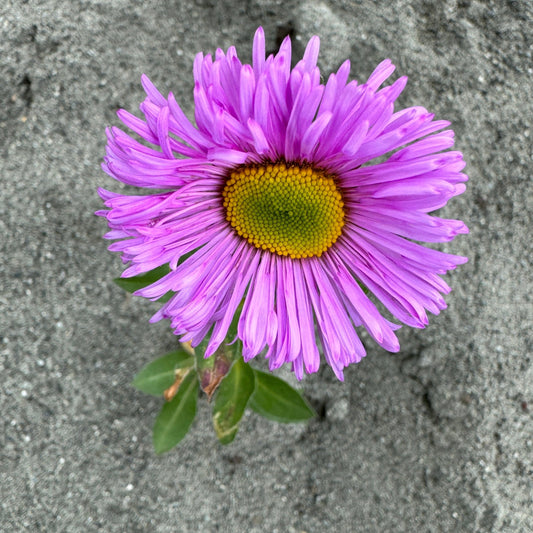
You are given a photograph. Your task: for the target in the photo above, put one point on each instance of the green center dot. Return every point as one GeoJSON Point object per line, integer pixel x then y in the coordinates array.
{"type": "Point", "coordinates": [292, 210]}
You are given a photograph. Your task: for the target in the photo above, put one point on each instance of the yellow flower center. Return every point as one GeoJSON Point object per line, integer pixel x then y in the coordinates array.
{"type": "Point", "coordinates": [289, 209]}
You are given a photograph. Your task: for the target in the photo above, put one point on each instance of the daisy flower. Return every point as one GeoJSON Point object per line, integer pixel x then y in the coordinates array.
{"type": "Point", "coordinates": [276, 212]}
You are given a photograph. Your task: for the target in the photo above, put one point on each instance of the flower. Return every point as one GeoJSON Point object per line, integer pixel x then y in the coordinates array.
{"type": "Point", "coordinates": [275, 212]}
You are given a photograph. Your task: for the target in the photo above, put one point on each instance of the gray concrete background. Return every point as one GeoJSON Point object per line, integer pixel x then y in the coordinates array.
{"type": "Point", "coordinates": [436, 438]}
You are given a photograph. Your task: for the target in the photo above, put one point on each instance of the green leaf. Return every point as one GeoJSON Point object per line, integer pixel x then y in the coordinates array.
{"type": "Point", "coordinates": [143, 280]}
{"type": "Point", "coordinates": [176, 416]}
{"type": "Point", "coordinates": [231, 399]}
{"type": "Point", "coordinates": [159, 375]}
{"type": "Point", "coordinates": [276, 400]}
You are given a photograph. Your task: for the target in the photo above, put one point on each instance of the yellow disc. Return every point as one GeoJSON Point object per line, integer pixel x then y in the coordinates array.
{"type": "Point", "coordinates": [288, 209]}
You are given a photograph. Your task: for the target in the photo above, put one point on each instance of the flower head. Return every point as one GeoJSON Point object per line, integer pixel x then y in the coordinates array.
{"type": "Point", "coordinates": [275, 210]}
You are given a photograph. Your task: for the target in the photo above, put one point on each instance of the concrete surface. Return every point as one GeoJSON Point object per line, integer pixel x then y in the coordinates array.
{"type": "Point", "coordinates": [436, 438]}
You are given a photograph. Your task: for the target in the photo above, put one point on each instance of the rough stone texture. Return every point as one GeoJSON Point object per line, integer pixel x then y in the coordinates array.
{"type": "Point", "coordinates": [436, 438]}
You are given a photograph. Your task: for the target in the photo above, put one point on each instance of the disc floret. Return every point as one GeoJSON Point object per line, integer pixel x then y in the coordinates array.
{"type": "Point", "coordinates": [289, 209]}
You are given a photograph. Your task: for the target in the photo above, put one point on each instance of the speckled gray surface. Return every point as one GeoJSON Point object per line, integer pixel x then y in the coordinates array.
{"type": "Point", "coordinates": [436, 438]}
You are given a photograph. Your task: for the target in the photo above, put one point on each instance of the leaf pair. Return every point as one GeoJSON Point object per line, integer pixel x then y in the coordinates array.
{"type": "Point", "coordinates": [176, 415]}
{"type": "Point", "coordinates": [179, 375]}
{"type": "Point", "coordinates": [242, 387]}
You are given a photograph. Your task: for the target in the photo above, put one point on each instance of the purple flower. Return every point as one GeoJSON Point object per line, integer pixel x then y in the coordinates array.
{"type": "Point", "coordinates": [273, 201]}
